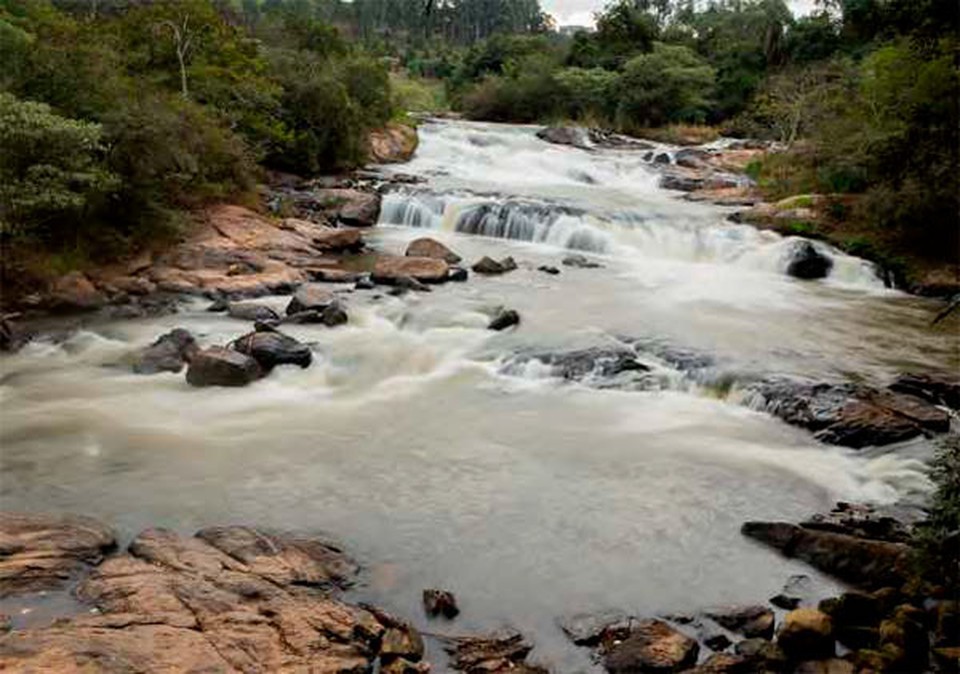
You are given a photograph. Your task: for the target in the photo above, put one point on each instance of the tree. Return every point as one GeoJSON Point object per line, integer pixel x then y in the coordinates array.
{"type": "Point", "coordinates": [183, 36]}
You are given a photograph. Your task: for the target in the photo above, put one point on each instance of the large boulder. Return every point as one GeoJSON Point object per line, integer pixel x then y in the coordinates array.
{"type": "Point", "coordinates": [362, 209]}
{"type": "Point", "coordinates": [389, 269]}
{"type": "Point", "coordinates": [504, 319]}
{"type": "Point", "coordinates": [45, 552]}
{"type": "Point", "coordinates": [337, 239]}
{"type": "Point", "coordinates": [75, 292]}
{"type": "Point", "coordinates": [393, 144]}
{"type": "Point", "coordinates": [807, 634]}
{"type": "Point", "coordinates": [218, 366]}
{"type": "Point", "coordinates": [804, 261]}
{"type": "Point", "coordinates": [651, 646]}
{"type": "Point", "coordinates": [575, 136]}
{"type": "Point", "coordinates": [168, 353]}
{"type": "Point", "coordinates": [426, 247]}
{"type": "Point", "coordinates": [309, 297]}
{"type": "Point", "coordinates": [934, 388]}
{"type": "Point", "coordinates": [270, 349]}
{"type": "Point", "coordinates": [251, 311]}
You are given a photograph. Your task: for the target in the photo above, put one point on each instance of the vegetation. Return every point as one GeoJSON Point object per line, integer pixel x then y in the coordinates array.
{"type": "Point", "coordinates": [939, 535]}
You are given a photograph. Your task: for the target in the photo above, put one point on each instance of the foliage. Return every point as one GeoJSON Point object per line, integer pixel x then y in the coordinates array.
{"type": "Point", "coordinates": [418, 94]}
{"type": "Point", "coordinates": [939, 535]}
{"type": "Point", "coordinates": [587, 93]}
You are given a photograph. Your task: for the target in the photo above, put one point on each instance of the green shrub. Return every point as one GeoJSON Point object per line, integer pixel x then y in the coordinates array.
{"type": "Point", "coordinates": [939, 535]}
{"type": "Point", "coordinates": [587, 93]}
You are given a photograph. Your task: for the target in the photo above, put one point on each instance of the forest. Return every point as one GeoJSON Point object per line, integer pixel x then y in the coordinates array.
{"type": "Point", "coordinates": [119, 116]}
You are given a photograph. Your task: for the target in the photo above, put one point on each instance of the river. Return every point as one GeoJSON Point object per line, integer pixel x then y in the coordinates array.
{"type": "Point", "coordinates": [411, 439]}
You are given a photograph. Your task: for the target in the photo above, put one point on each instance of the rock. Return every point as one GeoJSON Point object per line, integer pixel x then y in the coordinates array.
{"type": "Point", "coordinates": [402, 666]}
{"type": "Point", "coordinates": [806, 634]}
{"type": "Point", "coordinates": [44, 552]}
{"type": "Point", "coordinates": [831, 666]}
{"type": "Point", "coordinates": [133, 285]}
{"type": "Point", "coordinates": [401, 643]}
{"type": "Point", "coordinates": [270, 349]}
{"type": "Point", "coordinates": [489, 266]}
{"type": "Point", "coordinates": [547, 269]}
{"type": "Point", "coordinates": [440, 602]}
{"type": "Point", "coordinates": [947, 623]}
{"type": "Point", "coordinates": [863, 521]}
{"type": "Point", "coordinates": [861, 562]}
{"type": "Point", "coordinates": [691, 158]}
{"type": "Point", "coordinates": [602, 362]}
{"type": "Point", "coordinates": [390, 269]}
{"type": "Point", "coordinates": [168, 353]}
{"type": "Point", "coordinates": [11, 338]}
{"type": "Point", "coordinates": [219, 306]}
{"type": "Point", "coordinates": [365, 283]}
{"type": "Point", "coordinates": [251, 311]}
{"type": "Point", "coordinates": [75, 292]}
{"type": "Point", "coordinates": [6, 623]}
{"type": "Point", "coordinates": [218, 366]}
{"type": "Point", "coordinates": [796, 590]}
{"type": "Point", "coordinates": [763, 655]}
{"type": "Point", "coordinates": [652, 646]}
{"type": "Point", "coordinates": [457, 274]}
{"type": "Point", "coordinates": [581, 261]}
{"type": "Point", "coordinates": [504, 319]}
{"type": "Point", "coordinates": [750, 621]}
{"type": "Point", "coordinates": [334, 315]}
{"type": "Point", "coordinates": [723, 663]}
{"type": "Point", "coordinates": [426, 247]}
{"type": "Point", "coordinates": [935, 389]}
{"type": "Point", "coordinates": [806, 262]}
{"type": "Point", "coordinates": [395, 143]}
{"type": "Point", "coordinates": [362, 209]}
{"type": "Point", "coordinates": [565, 135]}
{"type": "Point", "coordinates": [336, 276]}
{"type": "Point", "coordinates": [496, 654]}
{"type": "Point", "coordinates": [853, 609]}
{"type": "Point", "coordinates": [716, 641]}
{"type": "Point", "coordinates": [589, 629]}
{"type": "Point", "coordinates": [309, 297]}
{"type": "Point", "coordinates": [337, 239]}
{"type": "Point", "coordinates": [661, 158]}
{"type": "Point", "coordinates": [185, 605]}
{"type": "Point", "coordinates": [905, 634]}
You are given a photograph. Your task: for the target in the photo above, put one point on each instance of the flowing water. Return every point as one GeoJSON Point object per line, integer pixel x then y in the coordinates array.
{"type": "Point", "coordinates": [410, 440]}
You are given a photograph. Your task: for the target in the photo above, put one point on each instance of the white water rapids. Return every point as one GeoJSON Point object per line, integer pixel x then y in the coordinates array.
{"type": "Point", "coordinates": [407, 440]}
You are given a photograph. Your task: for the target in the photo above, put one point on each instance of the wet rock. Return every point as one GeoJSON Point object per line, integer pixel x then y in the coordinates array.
{"type": "Point", "coordinates": [11, 338]}
{"type": "Point", "coordinates": [588, 629]}
{"type": "Point", "coordinates": [390, 269]}
{"type": "Point", "coordinates": [457, 274]}
{"type": "Point", "coordinates": [403, 666]}
{"type": "Point", "coordinates": [750, 621]}
{"type": "Point", "coordinates": [75, 292]}
{"type": "Point", "coordinates": [830, 666]}
{"type": "Point", "coordinates": [395, 143]}
{"type": "Point", "coordinates": [861, 562]}
{"type": "Point", "coordinates": [652, 645]}
{"type": "Point", "coordinates": [251, 311]}
{"type": "Point", "coordinates": [334, 315]}
{"type": "Point", "coordinates": [337, 239]}
{"type": "Point", "coordinates": [182, 604]}
{"type": "Point", "coordinates": [796, 590]}
{"type": "Point", "coordinates": [762, 654]}
{"type": "Point", "coordinates": [905, 635]}
{"type": "Point", "coordinates": [592, 362]}
{"type": "Point", "coordinates": [169, 353]}
{"type": "Point", "coordinates": [547, 269]}
{"type": "Point", "coordinates": [806, 262]}
{"type": "Point", "coordinates": [44, 552]}
{"type": "Point", "coordinates": [716, 641]}
{"type": "Point", "coordinates": [489, 266]}
{"type": "Point", "coordinates": [853, 609]}
{"type": "Point", "coordinates": [440, 602]}
{"type": "Point", "coordinates": [723, 663]}
{"type": "Point", "coordinates": [935, 389]}
{"type": "Point", "coordinates": [426, 247]}
{"type": "Point", "coordinates": [219, 306]}
{"type": "Point", "coordinates": [365, 283]}
{"type": "Point", "coordinates": [309, 297]}
{"type": "Point", "coordinates": [581, 261]}
{"type": "Point", "coordinates": [861, 520]}
{"type": "Point", "coordinates": [362, 209]}
{"type": "Point", "coordinates": [661, 158]}
{"type": "Point", "coordinates": [496, 654]}
{"type": "Point", "coordinates": [504, 319]}
{"type": "Point", "coordinates": [574, 136]}
{"type": "Point", "coordinates": [218, 366]}
{"type": "Point", "coordinates": [401, 643]}
{"type": "Point", "coordinates": [806, 634]}
{"type": "Point", "coordinates": [336, 276]}
{"type": "Point", "coordinates": [692, 158]}
{"type": "Point", "coordinates": [273, 348]}
{"type": "Point", "coordinates": [947, 623]}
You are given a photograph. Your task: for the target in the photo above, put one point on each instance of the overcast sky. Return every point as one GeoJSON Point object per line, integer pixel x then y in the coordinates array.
{"type": "Point", "coordinates": [580, 12]}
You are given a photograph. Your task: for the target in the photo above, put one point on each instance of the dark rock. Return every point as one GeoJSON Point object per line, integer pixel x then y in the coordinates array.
{"type": "Point", "coordinates": [828, 666]}
{"type": "Point", "coordinates": [806, 262]}
{"type": "Point", "coordinates": [219, 306]}
{"type": "Point", "coordinates": [905, 632]}
{"type": "Point", "coordinates": [365, 283]}
{"type": "Point", "coordinates": [496, 654]}
{"type": "Point", "coordinates": [588, 629]}
{"type": "Point", "coordinates": [785, 601]}
{"type": "Point", "coordinates": [936, 389]}
{"type": "Point", "coordinates": [6, 623]}
{"type": "Point", "coordinates": [547, 269]}
{"type": "Point", "coordinates": [334, 315]}
{"type": "Point", "coordinates": [861, 562]}
{"type": "Point", "coordinates": [506, 318]}
{"type": "Point", "coordinates": [853, 609]}
{"type": "Point", "coordinates": [750, 621]}
{"type": "Point", "coordinates": [489, 266]}
{"type": "Point", "coordinates": [398, 291]}
{"type": "Point", "coordinates": [251, 311]}
{"type": "Point", "coordinates": [574, 136]}
{"type": "Point", "coordinates": [661, 158]}
{"type": "Point", "coordinates": [403, 643]}
{"type": "Point", "coordinates": [723, 663]}
{"type": "Point", "coordinates": [592, 362]}
{"type": "Point", "coordinates": [652, 645]}
{"type": "Point", "coordinates": [717, 641]}
{"type": "Point", "coordinates": [45, 552]}
{"type": "Point", "coordinates": [795, 591]}
{"type": "Point", "coordinates": [947, 623]}
{"type": "Point", "coordinates": [581, 261]}
{"type": "Point", "coordinates": [508, 263]}
{"type": "Point", "coordinates": [270, 349]}
{"type": "Point", "coordinates": [309, 297]}
{"type": "Point", "coordinates": [362, 210]}
{"type": "Point", "coordinates": [682, 182]}
{"type": "Point", "coordinates": [335, 275]}
{"type": "Point", "coordinates": [806, 634]}
{"type": "Point", "coordinates": [426, 247]}
{"type": "Point", "coordinates": [168, 353]}
{"type": "Point", "coordinates": [863, 521]}
{"type": "Point", "coordinates": [457, 274]}
{"type": "Point", "coordinates": [440, 602]}
{"type": "Point", "coordinates": [692, 158]}
{"type": "Point", "coordinates": [218, 366]}
{"type": "Point", "coordinates": [763, 654]}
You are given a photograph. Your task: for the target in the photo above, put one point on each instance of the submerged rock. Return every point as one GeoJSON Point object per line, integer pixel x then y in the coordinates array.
{"type": "Point", "coordinates": [440, 602]}
{"type": "Point", "coordinates": [581, 261]}
{"type": "Point", "coordinates": [426, 247]}
{"type": "Point", "coordinates": [750, 621]}
{"type": "Point", "coordinates": [218, 366]}
{"type": "Point", "coordinates": [589, 629]}
{"type": "Point", "coordinates": [270, 349]}
{"type": "Point", "coordinates": [592, 362]}
{"type": "Point", "coordinates": [504, 319]}
{"type": "Point", "coordinates": [169, 353]}
{"type": "Point", "coordinates": [45, 552]}
{"type": "Point", "coordinates": [933, 388]}
{"type": "Point", "coordinates": [489, 266]}
{"type": "Point", "coordinates": [457, 274]}
{"type": "Point", "coordinates": [548, 269]}
{"type": "Point", "coordinates": [806, 262]}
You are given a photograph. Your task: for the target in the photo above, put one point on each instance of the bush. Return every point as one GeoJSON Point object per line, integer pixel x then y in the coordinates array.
{"type": "Point", "coordinates": [528, 94]}
{"type": "Point", "coordinates": [940, 534]}
{"type": "Point", "coordinates": [587, 93]}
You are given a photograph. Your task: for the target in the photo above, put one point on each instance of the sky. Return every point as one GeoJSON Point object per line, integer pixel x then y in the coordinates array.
{"type": "Point", "coordinates": [580, 12]}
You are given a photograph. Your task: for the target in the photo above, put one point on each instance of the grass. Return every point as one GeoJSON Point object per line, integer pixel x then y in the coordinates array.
{"type": "Point", "coordinates": [680, 134]}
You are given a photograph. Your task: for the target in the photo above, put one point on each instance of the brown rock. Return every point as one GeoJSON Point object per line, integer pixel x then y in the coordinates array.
{"type": "Point", "coordinates": [806, 634]}
{"type": "Point", "coordinates": [337, 239]}
{"type": "Point", "coordinates": [426, 247]}
{"type": "Point", "coordinates": [133, 285]}
{"type": "Point", "coordinates": [652, 646]}
{"type": "Point", "coordinates": [251, 311]}
{"type": "Point", "coordinates": [724, 663]}
{"type": "Point", "coordinates": [831, 666]}
{"type": "Point", "coordinates": [217, 366]}
{"type": "Point", "coordinates": [390, 269]}
{"type": "Point", "coordinates": [393, 144]}
{"type": "Point", "coordinates": [42, 552]}
{"type": "Point", "coordinates": [360, 209]}
{"type": "Point", "coordinates": [309, 297]}
{"type": "Point", "coordinates": [489, 266]}
{"type": "Point", "coordinates": [750, 621]}
{"type": "Point", "coordinates": [75, 292]}
{"type": "Point", "coordinates": [403, 643]}
{"type": "Point", "coordinates": [168, 353]}
{"type": "Point", "coordinates": [440, 602]}
{"type": "Point", "coordinates": [498, 653]}
{"type": "Point", "coordinates": [936, 389]}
